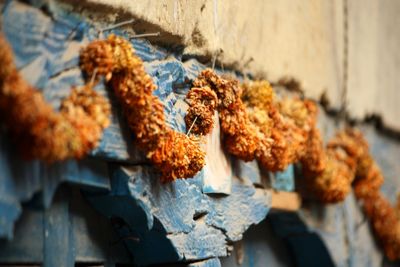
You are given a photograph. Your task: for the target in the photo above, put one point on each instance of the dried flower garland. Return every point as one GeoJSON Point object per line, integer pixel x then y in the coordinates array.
{"type": "Point", "coordinates": [253, 123]}
{"type": "Point", "coordinates": [295, 138]}
{"type": "Point", "coordinates": [383, 217]}
{"type": "Point", "coordinates": [292, 121]}
{"type": "Point", "coordinates": [385, 223]}
{"type": "Point", "coordinates": [284, 132]}
{"type": "Point", "coordinates": [350, 164]}
{"type": "Point", "coordinates": [40, 132]}
{"type": "Point", "coordinates": [346, 158]}
{"type": "Point", "coordinates": [174, 154]}
{"type": "Point", "coordinates": [277, 133]}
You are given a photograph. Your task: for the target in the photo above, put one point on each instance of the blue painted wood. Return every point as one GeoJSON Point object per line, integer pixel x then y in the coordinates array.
{"type": "Point", "coordinates": [10, 208]}
{"type": "Point", "coordinates": [248, 171]}
{"type": "Point", "coordinates": [27, 243]}
{"type": "Point", "coordinates": [58, 236]}
{"type": "Point", "coordinates": [68, 232]}
{"type": "Point", "coordinates": [284, 180]}
{"type": "Point", "coordinates": [178, 217]}
{"type": "Point", "coordinates": [21, 180]}
{"type": "Point", "coordinates": [214, 262]}
{"type": "Point", "coordinates": [260, 247]}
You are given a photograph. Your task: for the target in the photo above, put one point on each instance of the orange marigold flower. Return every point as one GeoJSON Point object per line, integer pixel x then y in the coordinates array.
{"type": "Point", "coordinates": [202, 104]}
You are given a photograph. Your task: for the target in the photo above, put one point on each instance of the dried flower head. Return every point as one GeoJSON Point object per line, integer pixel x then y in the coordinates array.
{"type": "Point", "coordinates": [204, 96]}
{"type": "Point", "coordinates": [202, 105]}
{"type": "Point", "coordinates": [97, 56]}
{"type": "Point", "coordinates": [365, 186]}
{"type": "Point", "coordinates": [105, 57]}
{"type": "Point", "coordinates": [188, 159]}
{"type": "Point", "coordinates": [94, 105]}
{"type": "Point", "coordinates": [199, 119]}
{"type": "Point", "coordinates": [314, 158]}
{"type": "Point", "coordinates": [258, 94]}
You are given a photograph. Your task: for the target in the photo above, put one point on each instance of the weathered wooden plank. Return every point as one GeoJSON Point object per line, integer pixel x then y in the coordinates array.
{"type": "Point", "coordinates": [285, 201]}
{"type": "Point", "coordinates": [284, 180]}
{"type": "Point", "coordinates": [58, 246]}
{"type": "Point", "coordinates": [214, 262]}
{"type": "Point", "coordinates": [20, 180]}
{"type": "Point", "coordinates": [218, 170]}
{"type": "Point", "coordinates": [27, 243]}
{"type": "Point", "coordinates": [68, 232]}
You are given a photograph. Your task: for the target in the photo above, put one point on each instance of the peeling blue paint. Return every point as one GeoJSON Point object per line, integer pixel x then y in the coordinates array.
{"type": "Point", "coordinates": [284, 180]}
{"type": "Point", "coordinates": [214, 262]}
{"type": "Point", "coordinates": [195, 225]}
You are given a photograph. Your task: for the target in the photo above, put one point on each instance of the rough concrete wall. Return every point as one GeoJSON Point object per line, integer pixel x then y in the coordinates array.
{"type": "Point", "coordinates": [299, 38]}
{"type": "Point", "coordinates": [374, 60]}
{"type": "Point", "coordinates": [272, 38]}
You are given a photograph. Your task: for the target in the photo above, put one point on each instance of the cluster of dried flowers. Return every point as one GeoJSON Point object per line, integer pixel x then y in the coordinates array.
{"type": "Point", "coordinates": [258, 98]}
{"type": "Point", "coordinates": [276, 132]}
{"type": "Point", "coordinates": [174, 154]}
{"type": "Point", "coordinates": [40, 131]}
{"type": "Point", "coordinates": [240, 136]}
{"type": "Point", "coordinates": [292, 131]}
{"type": "Point", "coordinates": [292, 122]}
{"type": "Point", "coordinates": [255, 125]}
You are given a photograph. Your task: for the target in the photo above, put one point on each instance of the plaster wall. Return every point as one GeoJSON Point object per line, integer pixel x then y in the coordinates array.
{"type": "Point", "coordinates": [303, 39]}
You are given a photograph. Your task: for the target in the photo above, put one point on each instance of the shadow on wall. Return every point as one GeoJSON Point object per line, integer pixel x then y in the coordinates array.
{"type": "Point", "coordinates": [281, 240]}
{"type": "Point", "coordinates": [260, 247]}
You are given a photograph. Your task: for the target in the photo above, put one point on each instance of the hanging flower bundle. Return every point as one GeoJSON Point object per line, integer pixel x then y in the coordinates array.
{"type": "Point", "coordinates": [77, 128]}
{"type": "Point", "coordinates": [41, 132]}
{"type": "Point", "coordinates": [173, 153]}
